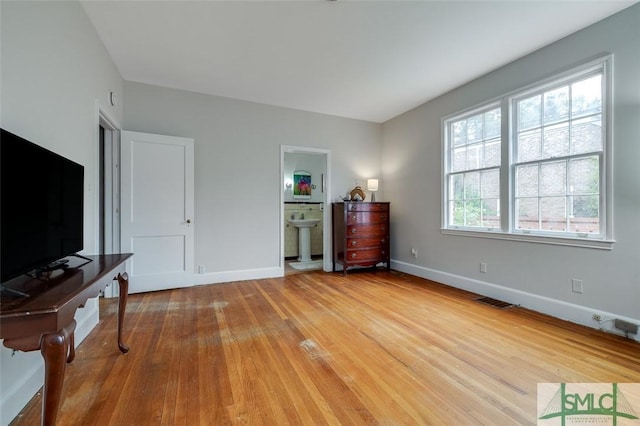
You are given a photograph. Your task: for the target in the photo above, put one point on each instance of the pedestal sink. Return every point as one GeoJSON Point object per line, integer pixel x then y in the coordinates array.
{"type": "Point", "coordinates": [304, 237]}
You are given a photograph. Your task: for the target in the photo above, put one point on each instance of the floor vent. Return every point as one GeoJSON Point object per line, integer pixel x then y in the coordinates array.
{"type": "Point", "coordinates": [494, 302]}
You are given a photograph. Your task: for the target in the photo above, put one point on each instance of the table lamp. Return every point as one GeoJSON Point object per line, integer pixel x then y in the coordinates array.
{"type": "Point", "coordinates": [372, 185]}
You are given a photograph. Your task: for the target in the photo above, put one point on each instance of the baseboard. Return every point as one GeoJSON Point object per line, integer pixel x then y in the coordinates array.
{"type": "Point", "coordinates": [240, 275]}
{"type": "Point", "coordinates": [578, 314]}
{"type": "Point", "coordinates": [86, 319]}
{"type": "Point", "coordinates": [17, 394]}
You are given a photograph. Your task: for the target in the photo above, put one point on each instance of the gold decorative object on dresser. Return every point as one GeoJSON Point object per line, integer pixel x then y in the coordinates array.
{"type": "Point", "coordinates": [360, 234]}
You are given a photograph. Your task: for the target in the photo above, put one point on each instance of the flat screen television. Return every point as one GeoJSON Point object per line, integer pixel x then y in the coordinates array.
{"type": "Point", "coordinates": [41, 218]}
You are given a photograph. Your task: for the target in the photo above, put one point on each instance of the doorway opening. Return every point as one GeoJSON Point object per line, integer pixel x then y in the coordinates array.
{"type": "Point", "coordinates": [305, 193]}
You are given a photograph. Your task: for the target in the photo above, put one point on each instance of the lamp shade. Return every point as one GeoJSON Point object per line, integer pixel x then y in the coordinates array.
{"type": "Point", "coordinates": [372, 184]}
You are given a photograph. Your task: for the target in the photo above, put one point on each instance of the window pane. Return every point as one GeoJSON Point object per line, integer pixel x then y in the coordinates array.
{"type": "Point", "coordinates": [490, 184]}
{"type": "Point", "coordinates": [491, 213]}
{"type": "Point", "coordinates": [492, 153]}
{"type": "Point", "coordinates": [472, 185]}
{"type": "Point", "coordinates": [556, 141]}
{"type": "Point", "coordinates": [586, 206]}
{"type": "Point", "coordinates": [554, 213]}
{"type": "Point", "coordinates": [586, 135]}
{"type": "Point", "coordinates": [456, 191]}
{"type": "Point", "coordinates": [473, 157]}
{"type": "Point", "coordinates": [584, 176]}
{"type": "Point", "coordinates": [474, 129]}
{"type": "Point", "coordinates": [527, 213]}
{"type": "Point", "coordinates": [458, 159]}
{"type": "Point", "coordinates": [459, 133]}
{"type": "Point", "coordinates": [586, 96]}
{"type": "Point", "coordinates": [492, 123]}
{"type": "Point", "coordinates": [584, 214]}
{"type": "Point", "coordinates": [456, 213]}
{"type": "Point", "coordinates": [553, 178]}
{"type": "Point", "coordinates": [527, 181]}
{"type": "Point", "coordinates": [556, 105]}
{"type": "Point", "coordinates": [529, 113]}
{"type": "Point", "coordinates": [529, 144]}
{"type": "Point", "coordinates": [472, 213]}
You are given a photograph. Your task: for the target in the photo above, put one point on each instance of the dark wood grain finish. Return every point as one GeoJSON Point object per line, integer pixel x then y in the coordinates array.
{"type": "Point", "coordinates": [360, 234]}
{"type": "Point", "coordinates": [45, 319]}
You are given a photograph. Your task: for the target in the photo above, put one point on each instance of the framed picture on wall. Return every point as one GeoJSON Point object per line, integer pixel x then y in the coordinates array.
{"type": "Point", "coordinates": [301, 185]}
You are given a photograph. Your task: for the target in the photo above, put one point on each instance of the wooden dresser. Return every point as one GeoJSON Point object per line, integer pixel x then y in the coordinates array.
{"type": "Point", "coordinates": [360, 234]}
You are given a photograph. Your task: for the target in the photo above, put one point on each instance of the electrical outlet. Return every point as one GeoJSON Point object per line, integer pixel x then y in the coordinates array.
{"type": "Point", "coordinates": [414, 253]}
{"type": "Point", "coordinates": [483, 267]}
{"type": "Point", "coordinates": [597, 317]}
{"type": "Point", "coordinates": [576, 286]}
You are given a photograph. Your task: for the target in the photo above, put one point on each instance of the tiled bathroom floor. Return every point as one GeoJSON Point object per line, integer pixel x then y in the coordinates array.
{"type": "Point", "coordinates": [289, 270]}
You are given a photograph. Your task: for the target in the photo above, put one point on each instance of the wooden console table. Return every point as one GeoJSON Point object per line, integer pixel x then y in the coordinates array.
{"type": "Point", "coordinates": [44, 320]}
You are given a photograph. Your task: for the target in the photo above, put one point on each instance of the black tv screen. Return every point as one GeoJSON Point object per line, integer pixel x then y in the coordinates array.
{"type": "Point", "coordinates": [41, 206]}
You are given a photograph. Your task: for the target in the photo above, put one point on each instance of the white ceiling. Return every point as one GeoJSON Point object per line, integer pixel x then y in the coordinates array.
{"type": "Point", "coordinates": [358, 59]}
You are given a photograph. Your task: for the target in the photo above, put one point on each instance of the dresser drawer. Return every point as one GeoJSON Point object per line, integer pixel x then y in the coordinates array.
{"type": "Point", "coordinates": [356, 217]}
{"type": "Point", "coordinates": [367, 207]}
{"type": "Point", "coordinates": [378, 230]}
{"type": "Point", "coordinates": [356, 243]}
{"type": "Point", "coordinates": [366, 255]}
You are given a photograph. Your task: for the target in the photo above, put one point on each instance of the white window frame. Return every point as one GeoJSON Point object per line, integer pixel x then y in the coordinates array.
{"type": "Point", "coordinates": [507, 230]}
{"type": "Point", "coordinates": [481, 168]}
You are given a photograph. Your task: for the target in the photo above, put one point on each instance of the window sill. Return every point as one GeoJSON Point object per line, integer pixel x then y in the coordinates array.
{"type": "Point", "coordinates": [539, 239]}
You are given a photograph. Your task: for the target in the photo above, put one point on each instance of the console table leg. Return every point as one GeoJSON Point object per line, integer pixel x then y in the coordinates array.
{"type": "Point", "coordinates": [54, 349]}
{"type": "Point", "coordinates": [123, 281]}
{"type": "Point", "coordinates": [72, 348]}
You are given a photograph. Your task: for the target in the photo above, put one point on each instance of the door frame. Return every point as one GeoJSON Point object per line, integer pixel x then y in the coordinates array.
{"type": "Point", "coordinates": [111, 196]}
{"type": "Point", "coordinates": [327, 264]}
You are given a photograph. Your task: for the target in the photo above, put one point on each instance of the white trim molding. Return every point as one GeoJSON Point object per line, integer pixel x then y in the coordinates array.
{"type": "Point", "coordinates": [582, 315]}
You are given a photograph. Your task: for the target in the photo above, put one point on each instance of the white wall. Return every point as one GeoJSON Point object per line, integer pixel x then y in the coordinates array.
{"type": "Point", "coordinates": [54, 71]}
{"type": "Point", "coordinates": [238, 182]}
{"type": "Point", "coordinates": [536, 275]}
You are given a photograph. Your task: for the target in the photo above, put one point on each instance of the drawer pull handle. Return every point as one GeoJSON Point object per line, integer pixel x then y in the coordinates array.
{"type": "Point", "coordinates": [353, 230]}
{"type": "Point", "coordinates": [382, 240]}
{"type": "Point", "coordinates": [382, 217]}
{"type": "Point", "coordinates": [353, 255]}
{"type": "Point", "coordinates": [354, 243]}
{"type": "Point", "coordinates": [354, 217]}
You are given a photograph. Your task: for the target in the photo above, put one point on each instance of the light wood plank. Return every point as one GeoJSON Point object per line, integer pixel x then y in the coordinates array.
{"type": "Point", "coordinates": [319, 348]}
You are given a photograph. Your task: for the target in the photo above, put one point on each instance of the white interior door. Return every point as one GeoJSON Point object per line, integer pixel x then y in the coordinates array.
{"type": "Point", "coordinates": [157, 206]}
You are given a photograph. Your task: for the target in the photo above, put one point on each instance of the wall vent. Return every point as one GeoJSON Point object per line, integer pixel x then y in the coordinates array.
{"type": "Point", "coordinates": [494, 302]}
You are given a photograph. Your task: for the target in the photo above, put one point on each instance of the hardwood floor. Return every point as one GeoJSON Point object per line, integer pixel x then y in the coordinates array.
{"type": "Point", "coordinates": [320, 348]}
